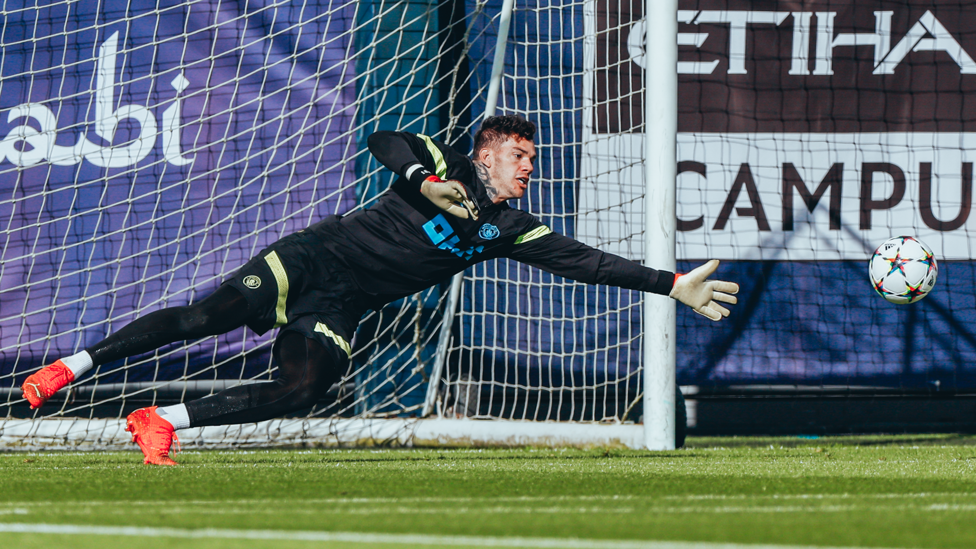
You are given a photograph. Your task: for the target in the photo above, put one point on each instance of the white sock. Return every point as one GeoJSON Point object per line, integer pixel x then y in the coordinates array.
{"type": "Point", "coordinates": [176, 415]}
{"type": "Point", "coordinates": [78, 363]}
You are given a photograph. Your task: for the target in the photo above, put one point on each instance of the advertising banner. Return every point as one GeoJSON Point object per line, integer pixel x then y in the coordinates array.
{"type": "Point", "coordinates": [808, 130]}
{"type": "Point", "coordinates": [809, 133]}
{"type": "Point", "coordinates": [148, 149]}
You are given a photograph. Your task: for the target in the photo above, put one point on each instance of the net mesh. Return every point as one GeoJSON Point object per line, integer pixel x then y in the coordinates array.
{"type": "Point", "coordinates": [152, 148]}
{"type": "Point", "coordinates": [532, 345]}
{"type": "Point", "coordinates": [806, 139]}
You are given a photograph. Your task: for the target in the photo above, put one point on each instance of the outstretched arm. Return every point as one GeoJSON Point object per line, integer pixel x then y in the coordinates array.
{"type": "Point", "coordinates": [563, 256]}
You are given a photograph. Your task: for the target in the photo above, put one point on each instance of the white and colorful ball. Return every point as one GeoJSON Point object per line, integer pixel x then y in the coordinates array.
{"type": "Point", "coordinates": [903, 270]}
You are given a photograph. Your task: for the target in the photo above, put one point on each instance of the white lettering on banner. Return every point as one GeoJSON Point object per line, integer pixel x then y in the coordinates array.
{"type": "Point", "coordinates": [927, 34]}
{"type": "Point", "coordinates": [27, 146]}
{"type": "Point", "coordinates": [827, 41]}
{"type": "Point", "coordinates": [915, 40]}
{"type": "Point", "coordinates": [885, 57]}
{"type": "Point", "coordinates": [737, 21]}
{"type": "Point", "coordinates": [637, 37]}
{"type": "Point", "coordinates": [801, 43]}
{"type": "Point", "coordinates": [788, 196]}
{"type": "Point", "coordinates": [171, 125]}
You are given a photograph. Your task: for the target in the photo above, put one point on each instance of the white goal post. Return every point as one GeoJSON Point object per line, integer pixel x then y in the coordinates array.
{"type": "Point", "coordinates": [150, 151]}
{"type": "Point", "coordinates": [660, 218]}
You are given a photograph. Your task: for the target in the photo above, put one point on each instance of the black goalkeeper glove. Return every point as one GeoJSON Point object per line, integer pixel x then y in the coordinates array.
{"type": "Point", "coordinates": [701, 295]}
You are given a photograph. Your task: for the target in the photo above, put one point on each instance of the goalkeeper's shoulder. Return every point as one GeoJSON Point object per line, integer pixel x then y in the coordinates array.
{"type": "Point", "coordinates": [384, 140]}
{"type": "Point", "coordinates": [403, 153]}
{"type": "Point", "coordinates": [382, 137]}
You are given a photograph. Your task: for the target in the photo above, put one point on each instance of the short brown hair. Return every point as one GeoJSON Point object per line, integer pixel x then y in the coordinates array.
{"type": "Point", "coordinates": [496, 129]}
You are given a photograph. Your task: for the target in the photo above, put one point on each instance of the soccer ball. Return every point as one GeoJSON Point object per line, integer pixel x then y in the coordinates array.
{"type": "Point", "coordinates": [903, 270]}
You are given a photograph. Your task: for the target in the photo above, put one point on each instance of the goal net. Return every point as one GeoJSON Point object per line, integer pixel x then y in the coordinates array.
{"type": "Point", "coordinates": [151, 148]}
{"type": "Point", "coordinates": [808, 136]}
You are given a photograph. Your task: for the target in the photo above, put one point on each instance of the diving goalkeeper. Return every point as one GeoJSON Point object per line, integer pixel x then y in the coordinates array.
{"type": "Point", "coordinates": [444, 213]}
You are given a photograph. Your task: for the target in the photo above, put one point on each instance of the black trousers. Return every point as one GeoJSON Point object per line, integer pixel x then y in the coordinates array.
{"type": "Point", "coordinates": [306, 367]}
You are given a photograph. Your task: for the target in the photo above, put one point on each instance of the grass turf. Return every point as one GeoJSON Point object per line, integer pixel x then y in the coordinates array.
{"type": "Point", "coordinates": [845, 491]}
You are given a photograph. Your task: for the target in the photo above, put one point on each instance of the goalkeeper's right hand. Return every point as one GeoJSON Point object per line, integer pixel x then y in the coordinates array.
{"type": "Point", "coordinates": [701, 295]}
{"type": "Point", "coordinates": [449, 196]}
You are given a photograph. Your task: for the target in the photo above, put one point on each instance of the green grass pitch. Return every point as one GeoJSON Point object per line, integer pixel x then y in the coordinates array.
{"type": "Point", "coordinates": [718, 493]}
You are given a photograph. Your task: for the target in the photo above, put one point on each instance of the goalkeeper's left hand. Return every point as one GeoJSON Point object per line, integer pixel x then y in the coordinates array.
{"type": "Point", "coordinates": [701, 295]}
{"type": "Point", "coordinates": [449, 196]}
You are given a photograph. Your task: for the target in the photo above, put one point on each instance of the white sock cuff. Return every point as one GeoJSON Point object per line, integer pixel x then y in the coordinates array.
{"type": "Point", "coordinates": [78, 363]}
{"type": "Point", "coordinates": [176, 415]}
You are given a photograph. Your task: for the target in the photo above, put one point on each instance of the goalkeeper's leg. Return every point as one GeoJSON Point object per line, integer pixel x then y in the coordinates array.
{"type": "Point", "coordinates": [218, 313]}
{"type": "Point", "coordinates": [306, 370]}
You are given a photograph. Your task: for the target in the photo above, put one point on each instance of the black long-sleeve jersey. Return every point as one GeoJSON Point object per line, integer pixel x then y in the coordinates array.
{"type": "Point", "coordinates": [404, 243]}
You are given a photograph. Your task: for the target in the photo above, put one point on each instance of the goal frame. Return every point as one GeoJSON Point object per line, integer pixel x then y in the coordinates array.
{"type": "Point", "coordinates": [659, 315]}
{"type": "Point", "coordinates": [433, 428]}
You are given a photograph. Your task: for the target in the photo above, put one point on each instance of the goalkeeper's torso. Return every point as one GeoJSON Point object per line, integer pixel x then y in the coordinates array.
{"type": "Point", "coordinates": [403, 243]}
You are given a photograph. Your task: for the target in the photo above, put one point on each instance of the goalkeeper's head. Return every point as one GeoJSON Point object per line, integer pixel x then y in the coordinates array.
{"type": "Point", "coordinates": [496, 129]}
{"type": "Point", "coordinates": [503, 145]}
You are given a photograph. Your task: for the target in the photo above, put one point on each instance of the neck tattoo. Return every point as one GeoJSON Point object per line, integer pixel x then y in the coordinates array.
{"type": "Point", "coordinates": [482, 172]}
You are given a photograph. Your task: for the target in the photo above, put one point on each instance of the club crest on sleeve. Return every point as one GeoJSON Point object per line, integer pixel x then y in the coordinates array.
{"type": "Point", "coordinates": [488, 231]}
{"type": "Point", "coordinates": [252, 282]}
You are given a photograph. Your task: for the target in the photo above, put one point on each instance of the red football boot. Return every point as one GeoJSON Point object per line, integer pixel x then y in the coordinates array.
{"type": "Point", "coordinates": [41, 385]}
{"type": "Point", "coordinates": [153, 434]}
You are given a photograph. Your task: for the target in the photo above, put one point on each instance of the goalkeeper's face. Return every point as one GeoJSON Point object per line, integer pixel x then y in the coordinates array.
{"type": "Point", "coordinates": [510, 166]}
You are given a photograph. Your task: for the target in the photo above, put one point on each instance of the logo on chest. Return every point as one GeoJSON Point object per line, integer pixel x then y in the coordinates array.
{"type": "Point", "coordinates": [442, 235]}
{"type": "Point", "coordinates": [488, 232]}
